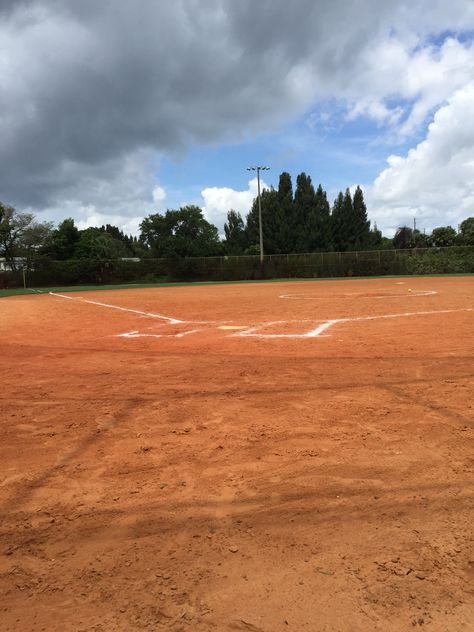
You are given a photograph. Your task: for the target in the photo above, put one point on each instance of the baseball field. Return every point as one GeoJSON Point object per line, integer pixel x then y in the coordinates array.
{"type": "Point", "coordinates": [265, 457]}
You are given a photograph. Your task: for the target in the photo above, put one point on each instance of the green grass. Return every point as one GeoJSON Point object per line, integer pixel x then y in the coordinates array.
{"type": "Point", "coordinates": [134, 286]}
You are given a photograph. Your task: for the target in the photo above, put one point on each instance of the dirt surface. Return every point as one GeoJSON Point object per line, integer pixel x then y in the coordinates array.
{"type": "Point", "coordinates": [296, 463]}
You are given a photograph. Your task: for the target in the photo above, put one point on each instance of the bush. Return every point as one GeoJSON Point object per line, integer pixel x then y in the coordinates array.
{"type": "Point", "coordinates": [455, 260]}
{"type": "Point", "coordinates": [45, 272]}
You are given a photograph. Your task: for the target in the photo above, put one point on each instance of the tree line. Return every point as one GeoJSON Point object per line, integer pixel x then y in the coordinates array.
{"type": "Point", "coordinates": [303, 221]}
{"type": "Point", "coordinates": [298, 221]}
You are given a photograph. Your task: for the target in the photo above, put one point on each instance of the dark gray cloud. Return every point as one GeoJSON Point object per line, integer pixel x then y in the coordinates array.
{"type": "Point", "coordinates": [88, 87]}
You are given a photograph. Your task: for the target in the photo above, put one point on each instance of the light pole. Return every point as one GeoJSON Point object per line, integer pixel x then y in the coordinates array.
{"type": "Point", "coordinates": [258, 169]}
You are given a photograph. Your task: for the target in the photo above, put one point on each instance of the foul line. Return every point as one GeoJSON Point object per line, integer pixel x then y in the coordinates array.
{"type": "Point", "coordinates": [173, 321]}
{"type": "Point", "coordinates": [325, 325]}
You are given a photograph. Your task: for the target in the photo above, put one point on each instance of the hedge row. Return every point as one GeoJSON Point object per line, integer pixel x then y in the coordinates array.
{"type": "Point", "coordinates": [45, 272]}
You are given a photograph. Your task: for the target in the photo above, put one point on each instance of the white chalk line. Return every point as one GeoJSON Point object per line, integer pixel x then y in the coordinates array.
{"type": "Point", "coordinates": [138, 334]}
{"type": "Point", "coordinates": [250, 331]}
{"type": "Point", "coordinates": [253, 331]}
{"type": "Point", "coordinates": [306, 297]}
{"type": "Point", "coordinates": [325, 325]}
{"type": "Point", "coordinates": [167, 319]}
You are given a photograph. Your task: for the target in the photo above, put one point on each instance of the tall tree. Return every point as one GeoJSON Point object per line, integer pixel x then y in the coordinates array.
{"type": "Point", "coordinates": [63, 241]}
{"type": "Point", "coordinates": [319, 226]}
{"type": "Point", "coordinates": [119, 235]}
{"type": "Point", "coordinates": [21, 236]}
{"type": "Point", "coordinates": [337, 221]}
{"type": "Point", "coordinates": [286, 208]}
{"type": "Point", "coordinates": [466, 232]}
{"type": "Point", "coordinates": [270, 222]}
{"type": "Point", "coordinates": [235, 238]}
{"type": "Point", "coordinates": [304, 230]}
{"type": "Point", "coordinates": [360, 223]}
{"type": "Point", "coordinates": [342, 221]}
{"type": "Point", "coordinates": [95, 243]}
{"type": "Point", "coordinates": [183, 233]}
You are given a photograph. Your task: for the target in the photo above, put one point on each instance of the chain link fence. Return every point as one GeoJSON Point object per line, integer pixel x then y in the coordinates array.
{"type": "Point", "coordinates": [42, 272]}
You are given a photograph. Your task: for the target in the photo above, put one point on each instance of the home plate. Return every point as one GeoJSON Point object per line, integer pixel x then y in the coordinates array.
{"type": "Point", "coordinates": [232, 327]}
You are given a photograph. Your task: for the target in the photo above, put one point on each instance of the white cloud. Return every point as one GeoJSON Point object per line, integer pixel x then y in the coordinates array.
{"type": "Point", "coordinates": [397, 86]}
{"type": "Point", "coordinates": [87, 86]}
{"type": "Point", "coordinates": [159, 194]}
{"type": "Point", "coordinates": [217, 201]}
{"type": "Point", "coordinates": [434, 182]}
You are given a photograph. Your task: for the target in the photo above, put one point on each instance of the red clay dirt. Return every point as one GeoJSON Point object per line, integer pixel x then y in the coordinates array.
{"type": "Point", "coordinates": [227, 480]}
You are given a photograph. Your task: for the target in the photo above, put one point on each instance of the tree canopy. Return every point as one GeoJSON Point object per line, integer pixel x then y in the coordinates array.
{"type": "Point", "coordinates": [293, 222]}
{"type": "Point", "coordinates": [181, 233]}
{"type": "Point", "coordinates": [21, 236]}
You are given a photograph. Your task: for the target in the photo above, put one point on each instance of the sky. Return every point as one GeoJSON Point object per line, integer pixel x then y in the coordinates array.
{"type": "Point", "coordinates": [111, 110]}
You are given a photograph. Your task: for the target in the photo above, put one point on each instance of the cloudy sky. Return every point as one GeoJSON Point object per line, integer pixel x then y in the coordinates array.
{"type": "Point", "coordinates": [112, 109]}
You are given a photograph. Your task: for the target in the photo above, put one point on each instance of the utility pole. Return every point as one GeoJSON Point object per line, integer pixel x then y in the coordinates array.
{"type": "Point", "coordinates": [258, 169]}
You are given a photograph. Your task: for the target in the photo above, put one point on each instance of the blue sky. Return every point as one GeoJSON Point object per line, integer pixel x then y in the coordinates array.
{"type": "Point", "coordinates": [113, 110]}
{"type": "Point", "coordinates": [337, 155]}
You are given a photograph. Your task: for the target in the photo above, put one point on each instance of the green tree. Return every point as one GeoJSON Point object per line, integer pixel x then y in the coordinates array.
{"type": "Point", "coordinates": [342, 220]}
{"type": "Point", "coordinates": [337, 222]}
{"type": "Point", "coordinates": [286, 207]}
{"type": "Point", "coordinates": [403, 238]}
{"type": "Point", "coordinates": [360, 224]}
{"type": "Point", "coordinates": [94, 243]}
{"type": "Point", "coordinates": [183, 233]}
{"type": "Point", "coordinates": [63, 241]}
{"type": "Point", "coordinates": [305, 227]}
{"type": "Point", "coordinates": [466, 232]}
{"type": "Point", "coordinates": [419, 239]}
{"type": "Point", "coordinates": [386, 243]}
{"type": "Point", "coordinates": [235, 237]}
{"type": "Point", "coordinates": [443, 236]}
{"type": "Point", "coordinates": [270, 222]}
{"type": "Point", "coordinates": [127, 240]}
{"type": "Point", "coordinates": [319, 223]}
{"type": "Point", "coordinates": [375, 238]}
{"type": "Point", "coordinates": [21, 236]}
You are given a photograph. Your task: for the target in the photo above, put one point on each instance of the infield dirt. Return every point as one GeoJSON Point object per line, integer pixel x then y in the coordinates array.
{"type": "Point", "coordinates": [227, 480]}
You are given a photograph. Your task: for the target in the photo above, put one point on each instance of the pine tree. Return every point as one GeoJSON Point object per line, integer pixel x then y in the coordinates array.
{"type": "Point", "coordinates": [286, 213]}
{"type": "Point", "coordinates": [337, 223]}
{"type": "Point", "coordinates": [270, 222]}
{"type": "Point", "coordinates": [235, 238]}
{"type": "Point", "coordinates": [304, 229]}
{"type": "Point", "coordinates": [272, 218]}
{"type": "Point", "coordinates": [319, 228]}
{"type": "Point", "coordinates": [361, 225]}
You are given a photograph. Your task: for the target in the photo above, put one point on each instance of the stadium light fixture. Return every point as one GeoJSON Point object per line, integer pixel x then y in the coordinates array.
{"type": "Point", "coordinates": [258, 169]}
